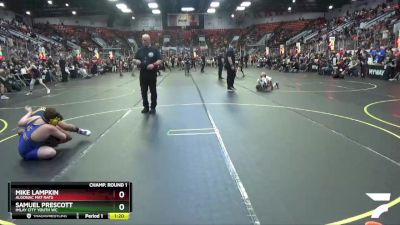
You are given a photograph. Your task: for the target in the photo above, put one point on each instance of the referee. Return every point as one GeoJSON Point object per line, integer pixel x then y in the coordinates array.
{"type": "Point", "coordinates": [230, 68]}
{"type": "Point", "coordinates": [149, 61]}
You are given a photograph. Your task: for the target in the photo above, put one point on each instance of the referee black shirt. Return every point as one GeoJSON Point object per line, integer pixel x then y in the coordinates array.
{"type": "Point", "coordinates": [147, 56]}
{"type": "Point", "coordinates": [230, 53]}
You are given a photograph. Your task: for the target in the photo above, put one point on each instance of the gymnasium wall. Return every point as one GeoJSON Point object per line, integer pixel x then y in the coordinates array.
{"type": "Point", "coordinates": [9, 15]}
{"type": "Point", "coordinates": [211, 21]}
{"type": "Point", "coordinates": [6, 14]}
{"type": "Point", "coordinates": [354, 6]}
{"type": "Point", "coordinates": [87, 21]}
{"type": "Point", "coordinates": [149, 22]}
{"type": "Point", "coordinates": [219, 21]}
{"type": "Point", "coordinates": [280, 18]}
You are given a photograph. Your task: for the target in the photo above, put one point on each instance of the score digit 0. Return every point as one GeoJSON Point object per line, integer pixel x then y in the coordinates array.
{"type": "Point", "coordinates": [121, 194]}
{"type": "Point", "coordinates": [121, 207]}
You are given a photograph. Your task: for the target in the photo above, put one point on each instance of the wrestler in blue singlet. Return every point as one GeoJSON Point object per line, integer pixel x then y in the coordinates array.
{"type": "Point", "coordinates": [28, 148]}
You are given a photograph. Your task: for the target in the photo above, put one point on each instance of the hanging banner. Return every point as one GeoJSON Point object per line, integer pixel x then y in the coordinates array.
{"type": "Point", "coordinates": [77, 54]}
{"type": "Point", "coordinates": [282, 49]}
{"type": "Point", "coordinates": [385, 34]}
{"type": "Point", "coordinates": [332, 43]}
{"type": "Point", "coordinates": [1, 55]}
{"type": "Point", "coordinates": [298, 47]}
{"type": "Point", "coordinates": [42, 54]}
{"type": "Point", "coordinates": [111, 55]}
{"type": "Point", "coordinates": [96, 53]}
{"type": "Point", "coordinates": [183, 20]}
{"type": "Point", "coordinates": [398, 40]}
{"type": "Point", "coordinates": [266, 50]}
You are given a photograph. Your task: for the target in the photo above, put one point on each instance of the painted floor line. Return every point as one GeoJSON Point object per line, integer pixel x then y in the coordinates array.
{"type": "Point", "coordinates": [72, 103]}
{"type": "Point", "coordinates": [2, 222]}
{"type": "Point", "coordinates": [190, 129]}
{"type": "Point", "coordinates": [85, 151]}
{"type": "Point", "coordinates": [234, 174]}
{"type": "Point", "coordinates": [373, 86]}
{"type": "Point", "coordinates": [349, 220]}
{"type": "Point", "coordinates": [260, 105]}
{"type": "Point", "coordinates": [363, 215]}
{"type": "Point", "coordinates": [53, 95]}
{"type": "Point", "coordinates": [377, 118]}
{"type": "Point", "coordinates": [228, 162]}
{"type": "Point", "coordinates": [191, 132]}
{"type": "Point", "coordinates": [5, 125]}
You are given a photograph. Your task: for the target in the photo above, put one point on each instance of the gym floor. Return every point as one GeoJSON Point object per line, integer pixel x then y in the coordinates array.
{"type": "Point", "coordinates": [304, 154]}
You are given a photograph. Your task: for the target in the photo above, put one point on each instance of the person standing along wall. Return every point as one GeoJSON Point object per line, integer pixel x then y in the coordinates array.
{"type": "Point", "coordinates": [220, 64]}
{"type": "Point", "coordinates": [230, 68]}
{"type": "Point", "coordinates": [203, 62]}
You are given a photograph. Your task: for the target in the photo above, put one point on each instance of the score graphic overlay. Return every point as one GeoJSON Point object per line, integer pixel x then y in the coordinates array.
{"type": "Point", "coordinates": [70, 200]}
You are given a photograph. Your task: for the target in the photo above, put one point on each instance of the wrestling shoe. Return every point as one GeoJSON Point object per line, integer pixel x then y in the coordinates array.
{"type": "Point", "coordinates": [84, 132]}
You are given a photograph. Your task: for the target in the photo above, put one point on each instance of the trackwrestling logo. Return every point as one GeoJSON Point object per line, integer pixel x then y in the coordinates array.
{"type": "Point", "coordinates": [378, 197]}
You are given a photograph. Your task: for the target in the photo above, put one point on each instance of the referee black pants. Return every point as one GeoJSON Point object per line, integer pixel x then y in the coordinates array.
{"type": "Point", "coordinates": [220, 68]}
{"type": "Point", "coordinates": [149, 81]}
{"type": "Point", "coordinates": [230, 78]}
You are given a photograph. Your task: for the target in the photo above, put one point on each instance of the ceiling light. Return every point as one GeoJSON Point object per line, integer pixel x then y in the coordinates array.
{"type": "Point", "coordinates": [66, 4]}
{"type": "Point", "coordinates": [73, 12]}
{"type": "Point", "coordinates": [28, 13]}
{"type": "Point", "coordinates": [240, 8]}
{"type": "Point", "coordinates": [233, 16]}
{"type": "Point", "coordinates": [187, 9]}
{"type": "Point", "coordinates": [133, 17]}
{"type": "Point", "coordinates": [211, 10]}
{"type": "Point", "coordinates": [126, 10]}
{"type": "Point", "coordinates": [155, 11]}
{"type": "Point", "coordinates": [112, 0]}
{"type": "Point", "coordinates": [290, 8]}
{"type": "Point", "coordinates": [331, 7]}
{"type": "Point", "coordinates": [294, 1]}
{"type": "Point", "coordinates": [153, 5]}
{"type": "Point", "coordinates": [2, 4]}
{"type": "Point", "coordinates": [121, 6]}
{"type": "Point", "coordinates": [246, 4]}
{"type": "Point", "coordinates": [50, 2]}
{"type": "Point", "coordinates": [214, 4]}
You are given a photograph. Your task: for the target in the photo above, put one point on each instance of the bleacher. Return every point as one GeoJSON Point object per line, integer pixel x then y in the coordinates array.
{"type": "Point", "coordinates": [288, 32]}
{"type": "Point", "coordinates": [296, 26]}
{"type": "Point", "coordinates": [268, 27]}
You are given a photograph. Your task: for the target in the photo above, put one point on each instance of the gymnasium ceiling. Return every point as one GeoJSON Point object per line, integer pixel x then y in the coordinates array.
{"type": "Point", "coordinates": [41, 8]}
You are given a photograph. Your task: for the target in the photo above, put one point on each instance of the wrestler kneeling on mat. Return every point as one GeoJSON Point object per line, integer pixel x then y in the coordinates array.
{"type": "Point", "coordinates": [40, 131]}
{"type": "Point", "coordinates": [265, 82]}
